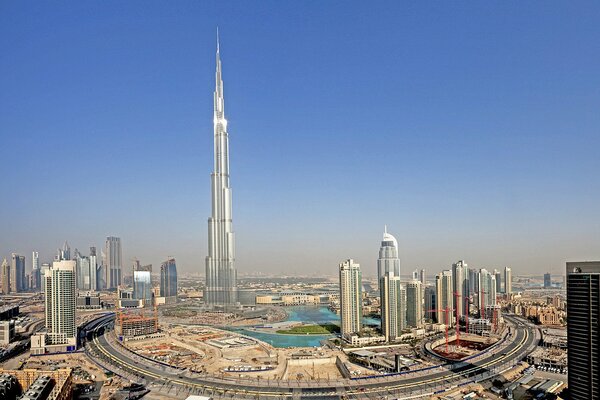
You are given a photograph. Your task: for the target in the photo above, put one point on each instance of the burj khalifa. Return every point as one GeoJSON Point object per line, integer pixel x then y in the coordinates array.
{"type": "Point", "coordinates": [221, 276]}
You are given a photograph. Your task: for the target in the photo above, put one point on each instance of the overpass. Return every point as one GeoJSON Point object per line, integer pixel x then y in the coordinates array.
{"type": "Point", "coordinates": [111, 355]}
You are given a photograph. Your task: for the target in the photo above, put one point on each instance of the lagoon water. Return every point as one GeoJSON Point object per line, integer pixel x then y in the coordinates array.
{"type": "Point", "coordinates": [307, 314]}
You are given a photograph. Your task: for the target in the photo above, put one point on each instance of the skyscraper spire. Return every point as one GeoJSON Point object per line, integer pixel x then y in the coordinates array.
{"type": "Point", "coordinates": [221, 276]}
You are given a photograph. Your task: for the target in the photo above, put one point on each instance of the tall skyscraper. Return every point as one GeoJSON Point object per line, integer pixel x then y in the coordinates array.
{"type": "Point", "coordinates": [388, 260]}
{"type": "Point", "coordinates": [350, 297]}
{"type": "Point", "coordinates": [64, 253]}
{"type": "Point", "coordinates": [507, 280]}
{"type": "Point", "coordinates": [547, 280]}
{"type": "Point", "coordinates": [35, 271]}
{"type": "Point", "coordinates": [430, 304]}
{"type": "Point", "coordinates": [17, 273]}
{"type": "Point", "coordinates": [460, 283]}
{"type": "Point", "coordinates": [113, 262]}
{"type": "Point", "coordinates": [83, 271]}
{"type": "Point", "coordinates": [487, 286]}
{"type": "Point", "coordinates": [142, 286]}
{"type": "Point", "coordinates": [583, 329]}
{"type": "Point", "coordinates": [443, 287]}
{"type": "Point", "coordinates": [35, 260]}
{"type": "Point", "coordinates": [5, 277]}
{"type": "Point", "coordinates": [59, 284]}
{"type": "Point", "coordinates": [393, 306]}
{"type": "Point", "coordinates": [221, 276]}
{"type": "Point", "coordinates": [498, 277]}
{"type": "Point", "coordinates": [168, 279]}
{"type": "Point", "coordinates": [473, 282]}
{"type": "Point", "coordinates": [422, 277]}
{"type": "Point", "coordinates": [414, 304]}
{"type": "Point", "coordinates": [93, 269]}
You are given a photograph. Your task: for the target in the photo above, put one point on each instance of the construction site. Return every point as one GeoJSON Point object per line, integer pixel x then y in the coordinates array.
{"type": "Point", "coordinates": [36, 384]}
{"type": "Point", "coordinates": [134, 324]}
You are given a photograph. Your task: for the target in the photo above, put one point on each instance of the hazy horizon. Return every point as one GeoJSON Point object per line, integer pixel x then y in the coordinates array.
{"type": "Point", "coordinates": [471, 131]}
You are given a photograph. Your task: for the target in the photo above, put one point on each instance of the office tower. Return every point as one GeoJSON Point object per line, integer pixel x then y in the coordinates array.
{"type": "Point", "coordinates": [221, 276]}
{"type": "Point", "coordinates": [460, 287]}
{"type": "Point", "coordinates": [350, 297]}
{"type": "Point", "coordinates": [547, 280]}
{"type": "Point", "coordinates": [168, 278]}
{"type": "Point", "coordinates": [35, 260]}
{"type": "Point", "coordinates": [388, 260]}
{"type": "Point", "coordinates": [136, 264]}
{"type": "Point", "coordinates": [64, 253]}
{"type": "Point", "coordinates": [59, 284]}
{"type": "Point", "coordinates": [422, 277]}
{"type": "Point", "coordinates": [445, 299]}
{"type": "Point", "coordinates": [430, 304]}
{"type": "Point", "coordinates": [142, 286]}
{"type": "Point", "coordinates": [473, 282]}
{"type": "Point", "coordinates": [5, 277]}
{"type": "Point", "coordinates": [414, 304]}
{"type": "Point", "coordinates": [583, 329]}
{"type": "Point", "coordinates": [83, 271]}
{"type": "Point", "coordinates": [113, 262]}
{"type": "Point", "coordinates": [93, 269]}
{"type": "Point", "coordinates": [507, 280]}
{"type": "Point", "coordinates": [498, 276]}
{"type": "Point", "coordinates": [487, 285]}
{"type": "Point", "coordinates": [35, 271]}
{"type": "Point", "coordinates": [415, 274]}
{"type": "Point", "coordinates": [17, 273]}
{"type": "Point", "coordinates": [36, 278]}
{"type": "Point", "coordinates": [393, 306]}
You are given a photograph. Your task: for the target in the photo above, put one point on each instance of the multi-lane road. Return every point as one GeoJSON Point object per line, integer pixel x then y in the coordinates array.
{"type": "Point", "coordinates": [115, 357]}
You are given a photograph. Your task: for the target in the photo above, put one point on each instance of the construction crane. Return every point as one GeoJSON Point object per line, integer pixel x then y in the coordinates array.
{"type": "Point", "coordinates": [467, 315]}
{"type": "Point", "coordinates": [457, 297]}
{"type": "Point", "coordinates": [482, 302]}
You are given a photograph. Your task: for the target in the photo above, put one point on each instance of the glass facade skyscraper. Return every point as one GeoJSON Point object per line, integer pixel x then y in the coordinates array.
{"type": "Point", "coordinates": [168, 278]}
{"type": "Point", "coordinates": [583, 329]}
{"type": "Point", "coordinates": [113, 253]}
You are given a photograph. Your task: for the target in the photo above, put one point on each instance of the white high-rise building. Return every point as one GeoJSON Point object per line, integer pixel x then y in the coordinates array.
{"type": "Point", "coordinates": [35, 271]}
{"type": "Point", "coordinates": [114, 262]}
{"type": "Point", "coordinates": [444, 298]}
{"type": "Point", "coordinates": [83, 271]}
{"type": "Point", "coordinates": [59, 284]}
{"type": "Point", "coordinates": [221, 276]}
{"type": "Point", "coordinates": [93, 269]}
{"type": "Point", "coordinates": [393, 306]}
{"type": "Point", "coordinates": [35, 260]}
{"type": "Point", "coordinates": [388, 260]}
{"type": "Point", "coordinates": [507, 280]}
{"type": "Point", "coordinates": [487, 286]}
{"type": "Point", "coordinates": [414, 304]}
{"type": "Point", "coordinates": [422, 277]}
{"type": "Point", "coordinates": [350, 297]}
{"type": "Point", "coordinates": [498, 276]}
{"type": "Point", "coordinates": [460, 282]}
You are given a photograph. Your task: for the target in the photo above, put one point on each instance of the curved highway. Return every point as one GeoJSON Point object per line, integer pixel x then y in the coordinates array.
{"type": "Point", "coordinates": [116, 358]}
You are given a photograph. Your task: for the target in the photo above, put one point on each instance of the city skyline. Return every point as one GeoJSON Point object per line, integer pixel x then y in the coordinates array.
{"type": "Point", "coordinates": [517, 200]}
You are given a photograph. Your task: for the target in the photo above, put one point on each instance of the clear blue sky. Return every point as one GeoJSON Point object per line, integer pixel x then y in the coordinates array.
{"type": "Point", "coordinates": [471, 129]}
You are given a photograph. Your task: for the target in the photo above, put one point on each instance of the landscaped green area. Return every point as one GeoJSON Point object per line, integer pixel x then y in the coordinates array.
{"type": "Point", "coordinates": [322, 329]}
